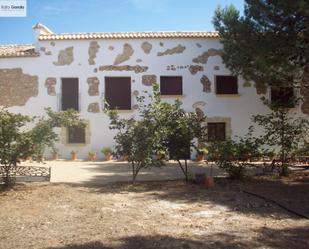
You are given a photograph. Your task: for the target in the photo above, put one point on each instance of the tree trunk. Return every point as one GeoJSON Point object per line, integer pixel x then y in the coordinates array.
{"type": "Point", "coordinates": [186, 170]}
{"type": "Point", "coordinates": [133, 172]}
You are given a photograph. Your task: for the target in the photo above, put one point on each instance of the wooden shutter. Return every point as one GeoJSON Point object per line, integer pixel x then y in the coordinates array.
{"type": "Point", "coordinates": [118, 92]}
{"type": "Point", "coordinates": [226, 84]}
{"type": "Point", "coordinates": [76, 135]}
{"type": "Point", "coordinates": [70, 93]}
{"type": "Point", "coordinates": [216, 131]}
{"type": "Point", "coordinates": [171, 85]}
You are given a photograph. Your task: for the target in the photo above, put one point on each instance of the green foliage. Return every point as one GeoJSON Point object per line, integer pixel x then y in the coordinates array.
{"type": "Point", "coordinates": [160, 128]}
{"type": "Point", "coordinates": [92, 153]}
{"type": "Point", "coordinates": [269, 44]}
{"type": "Point", "coordinates": [19, 141]}
{"type": "Point", "coordinates": [282, 130]}
{"type": "Point", "coordinates": [302, 149]}
{"type": "Point", "coordinates": [15, 142]}
{"type": "Point", "coordinates": [182, 129]}
{"type": "Point", "coordinates": [202, 151]}
{"type": "Point", "coordinates": [106, 151]}
{"type": "Point", "coordinates": [139, 139]}
{"type": "Point", "coordinates": [234, 156]}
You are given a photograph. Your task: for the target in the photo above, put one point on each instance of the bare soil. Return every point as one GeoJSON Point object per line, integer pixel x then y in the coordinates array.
{"type": "Point", "coordinates": [168, 214]}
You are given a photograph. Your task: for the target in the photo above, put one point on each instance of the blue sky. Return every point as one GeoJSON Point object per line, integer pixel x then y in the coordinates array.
{"type": "Point", "coordinates": [111, 15]}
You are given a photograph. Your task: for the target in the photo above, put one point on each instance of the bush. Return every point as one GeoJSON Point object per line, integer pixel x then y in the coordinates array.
{"type": "Point", "coordinates": [17, 141]}
{"type": "Point", "coordinates": [161, 128]}
{"type": "Point", "coordinates": [235, 156]}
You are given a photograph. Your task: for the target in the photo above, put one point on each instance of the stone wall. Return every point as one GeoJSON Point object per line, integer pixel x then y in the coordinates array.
{"type": "Point", "coordinates": [50, 84]}
{"type": "Point", "coordinates": [16, 88]}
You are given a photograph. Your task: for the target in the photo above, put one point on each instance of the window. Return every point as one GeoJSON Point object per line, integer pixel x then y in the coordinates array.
{"type": "Point", "coordinates": [171, 85]}
{"type": "Point", "coordinates": [216, 132]}
{"type": "Point", "coordinates": [282, 96]}
{"type": "Point", "coordinates": [76, 135]}
{"type": "Point", "coordinates": [70, 94]}
{"type": "Point", "coordinates": [226, 84]}
{"type": "Point", "coordinates": [118, 92]}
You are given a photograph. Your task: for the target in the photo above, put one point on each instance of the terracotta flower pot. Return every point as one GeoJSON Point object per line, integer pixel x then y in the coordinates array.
{"type": "Point", "coordinates": [209, 182]}
{"type": "Point", "coordinates": [199, 158]}
{"type": "Point", "coordinates": [92, 157]}
{"type": "Point", "coordinates": [55, 156]}
{"type": "Point", "coordinates": [108, 157]}
{"type": "Point", "coordinates": [74, 157]}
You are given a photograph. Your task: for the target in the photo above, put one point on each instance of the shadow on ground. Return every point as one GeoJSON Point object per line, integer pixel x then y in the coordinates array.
{"type": "Point", "coordinates": [123, 172]}
{"type": "Point", "coordinates": [292, 194]}
{"type": "Point", "coordinates": [295, 238]}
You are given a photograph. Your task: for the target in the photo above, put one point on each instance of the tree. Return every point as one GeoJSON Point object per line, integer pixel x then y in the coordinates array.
{"type": "Point", "coordinates": [19, 141]}
{"type": "Point", "coordinates": [160, 128]}
{"type": "Point", "coordinates": [141, 139]}
{"type": "Point", "coordinates": [269, 44]}
{"type": "Point", "coordinates": [282, 130]}
{"type": "Point", "coordinates": [234, 156]}
{"type": "Point", "coordinates": [14, 142]}
{"type": "Point", "coordinates": [183, 129]}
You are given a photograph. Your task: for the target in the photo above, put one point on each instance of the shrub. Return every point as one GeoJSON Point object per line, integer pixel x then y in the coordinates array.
{"type": "Point", "coordinates": [234, 156]}
{"type": "Point", "coordinates": [17, 141]}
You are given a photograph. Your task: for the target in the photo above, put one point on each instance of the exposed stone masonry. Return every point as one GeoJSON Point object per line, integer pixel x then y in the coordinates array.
{"type": "Point", "coordinates": [203, 58]}
{"type": "Point", "coordinates": [16, 87]}
{"type": "Point", "coordinates": [126, 54]}
{"type": "Point", "coordinates": [93, 83]}
{"type": "Point", "coordinates": [65, 57]}
{"type": "Point", "coordinates": [94, 107]}
{"type": "Point", "coordinates": [92, 51]}
{"type": "Point", "coordinates": [195, 68]}
{"type": "Point", "coordinates": [176, 50]}
{"type": "Point", "coordinates": [136, 68]}
{"type": "Point", "coordinates": [146, 46]}
{"type": "Point", "coordinates": [206, 84]}
{"type": "Point", "coordinates": [149, 80]}
{"type": "Point", "coordinates": [50, 84]}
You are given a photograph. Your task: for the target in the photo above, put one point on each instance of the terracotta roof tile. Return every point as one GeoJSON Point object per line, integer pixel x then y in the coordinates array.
{"type": "Point", "coordinates": [24, 50]}
{"type": "Point", "coordinates": [127, 35]}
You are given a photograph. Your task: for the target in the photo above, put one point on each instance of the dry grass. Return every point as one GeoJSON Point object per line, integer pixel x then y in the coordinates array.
{"type": "Point", "coordinates": [168, 214]}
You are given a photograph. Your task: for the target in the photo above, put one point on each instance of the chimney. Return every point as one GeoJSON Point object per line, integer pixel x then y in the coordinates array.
{"type": "Point", "coordinates": [40, 29]}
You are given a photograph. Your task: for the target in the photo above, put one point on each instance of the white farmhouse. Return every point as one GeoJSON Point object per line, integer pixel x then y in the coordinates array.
{"type": "Point", "coordinates": [81, 70]}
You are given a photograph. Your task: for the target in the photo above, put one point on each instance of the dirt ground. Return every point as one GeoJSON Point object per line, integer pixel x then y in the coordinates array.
{"type": "Point", "coordinates": [169, 214]}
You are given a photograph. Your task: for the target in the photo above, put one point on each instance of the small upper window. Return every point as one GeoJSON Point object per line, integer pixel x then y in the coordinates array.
{"type": "Point", "coordinates": [226, 84]}
{"type": "Point", "coordinates": [76, 135]}
{"type": "Point", "coordinates": [70, 94]}
{"type": "Point", "coordinates": [171, 85]}
{"type": "Point", "coordinates": [216, 132]}
{"type": "Point", "coordinates": [118, 92]}
{"type": "Point", "coordinates": [282, 96]}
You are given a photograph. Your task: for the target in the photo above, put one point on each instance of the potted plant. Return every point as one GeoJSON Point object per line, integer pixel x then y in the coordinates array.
{"type": "Point", "coordinates": [161, 154]}
{"type": "Point", "coordinates": [201, 153]}
{"type": "Point", "coordinates": [74, 155]}
{"type": "Point", "coordinates": [107, 151]}
{"type": "Point", "coordinates": [55, 154]}
{"type": "Point", "coordinates": [92, 155]}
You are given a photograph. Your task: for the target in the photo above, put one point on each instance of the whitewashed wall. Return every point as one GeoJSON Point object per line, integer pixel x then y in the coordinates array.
{"type": "Point", "coordinates": [239, 108]}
